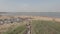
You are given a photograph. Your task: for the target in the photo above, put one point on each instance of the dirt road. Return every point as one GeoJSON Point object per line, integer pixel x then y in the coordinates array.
{"type": "Point", "coordinates": [28, 28]}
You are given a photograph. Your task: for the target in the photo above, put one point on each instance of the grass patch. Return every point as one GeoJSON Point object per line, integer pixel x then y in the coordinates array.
{"type": "Point", "coordinates": [45, 27]}
{"type": "Point", "coordinates": [16, 30]}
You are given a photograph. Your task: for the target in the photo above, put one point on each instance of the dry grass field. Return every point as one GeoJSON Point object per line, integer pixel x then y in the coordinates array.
{"type": "Point", "coordinates": [45, 27]}
{"type": "Point", "coordinates": [8, 27]}
{"type": "Point", "coordinates": [40, 25]}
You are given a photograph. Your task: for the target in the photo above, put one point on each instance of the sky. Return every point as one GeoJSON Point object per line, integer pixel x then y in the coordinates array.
{"type": "Point", "coordinates": [29, 5]}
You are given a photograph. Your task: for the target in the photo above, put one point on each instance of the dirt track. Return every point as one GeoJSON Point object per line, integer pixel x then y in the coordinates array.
{"type": "Point", "coordinates": [28, 28]}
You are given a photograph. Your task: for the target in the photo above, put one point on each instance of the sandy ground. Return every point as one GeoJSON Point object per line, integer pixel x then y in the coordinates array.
{"type": "Point", "coordinates": [42, 18]}
{"type": "Point", "coordinates": [34, 17]}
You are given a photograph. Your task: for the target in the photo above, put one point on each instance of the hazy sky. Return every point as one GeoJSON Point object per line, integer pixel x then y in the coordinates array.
{"type": "Point", "coordinates": [29, 5]}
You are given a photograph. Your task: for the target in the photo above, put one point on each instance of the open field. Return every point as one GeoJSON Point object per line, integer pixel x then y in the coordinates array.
{"type": "Point", "coordinates": [45, 27]}
{"type": "Point", "coordinates": [12, 28]}
{"type": "Point", "coordinates": [39, 25]}
{"type": "Point", "coordinates": [17, 30]}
